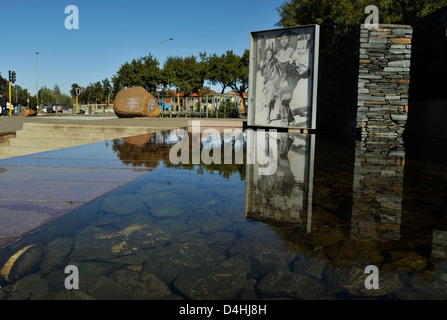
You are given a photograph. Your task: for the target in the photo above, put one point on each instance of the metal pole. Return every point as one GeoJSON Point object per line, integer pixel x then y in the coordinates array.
{"type": "Point", "coordinates": [158, 53]}
{"type": "Point", "coordinates": [37, 83]}
{"type": "Point", "coordinates": [10, 100]}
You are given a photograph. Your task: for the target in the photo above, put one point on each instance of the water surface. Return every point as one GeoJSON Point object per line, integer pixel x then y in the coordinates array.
{"type": "Point", "coordinates": [225, 231]}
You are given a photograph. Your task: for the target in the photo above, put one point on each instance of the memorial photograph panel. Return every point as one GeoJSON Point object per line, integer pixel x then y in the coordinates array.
{"type": "Point", "coordinates": [283, 77]}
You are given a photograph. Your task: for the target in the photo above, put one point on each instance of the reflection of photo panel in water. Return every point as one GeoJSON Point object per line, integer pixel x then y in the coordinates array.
{"type": "Point", "coordinates": [283, 79]}
{"type": "Point", "coordinates": [286, 195]}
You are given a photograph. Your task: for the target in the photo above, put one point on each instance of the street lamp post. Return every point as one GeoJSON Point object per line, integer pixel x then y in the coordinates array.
{"type": "Point", "coordinates": [158, 54]}
{"type": "Point", "coordinates": [158, 60]}
{"type": "Point", "coordinates": [37, 85]}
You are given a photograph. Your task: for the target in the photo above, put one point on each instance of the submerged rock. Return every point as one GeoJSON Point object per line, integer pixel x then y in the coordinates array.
{"type": "Point", "coordinates": [282, 284]}
{"type": "Point", "coordinates": [102, 246]}
{"type": "Point", "coordinates": [22, 263]}
{"type": "Point", "coordinates": [353, 281]}
{"type": "Point", "coordinates": [31, 287]}
{"type": "Point", "coordinates": [122, 205]}
{"type": "Point", "coordinates": [56, 254]}
{"type": "Point", "coordinates": [212, 283]}
{"type": "Point", "coordinates": [140, 287]}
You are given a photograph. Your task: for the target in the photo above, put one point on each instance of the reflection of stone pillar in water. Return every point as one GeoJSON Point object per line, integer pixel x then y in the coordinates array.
{"type": "Point", "coordinates": [378, 189]}
{"type": "Point", "coordinates": [439, 245]}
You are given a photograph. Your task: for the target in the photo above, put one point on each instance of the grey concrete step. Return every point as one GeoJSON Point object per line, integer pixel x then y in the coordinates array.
{"type": "Point", "coordinates": [87, 128]}
{"type": "Point", "coordinates": [39, 137]}
{"type": "Point", "coordinates": [50, 143]}
{"type": "Point", "coordinates": [8, 152]}
{"type": "Point", "coordinates": [72, 135]}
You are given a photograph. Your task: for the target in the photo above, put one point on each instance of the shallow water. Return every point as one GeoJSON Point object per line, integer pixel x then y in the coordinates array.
{"type": "Point", "coordinates": [211, 232]}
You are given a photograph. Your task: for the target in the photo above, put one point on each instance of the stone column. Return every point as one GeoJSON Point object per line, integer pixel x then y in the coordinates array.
{"type": "Point", "coordinates": [384, 80]}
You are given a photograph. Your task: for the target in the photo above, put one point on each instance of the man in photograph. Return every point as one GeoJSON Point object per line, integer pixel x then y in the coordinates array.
{"type": "Point", "coordinates": [282, 80]}
{"type": "Point", "coordinates": [293, 70]}
{"type": "Point", "coordinates": [271, 72]}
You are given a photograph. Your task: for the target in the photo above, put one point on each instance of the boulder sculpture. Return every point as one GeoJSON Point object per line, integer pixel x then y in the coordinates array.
{"type": "Point", "coordinates": [135, 102]}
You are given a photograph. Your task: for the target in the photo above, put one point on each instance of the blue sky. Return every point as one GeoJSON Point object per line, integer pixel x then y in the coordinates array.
{"type": "Point", "coordinates": [114, 32]}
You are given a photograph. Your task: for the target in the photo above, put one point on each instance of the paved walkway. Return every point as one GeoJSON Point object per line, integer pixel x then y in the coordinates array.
{"type": "Point", "coordinates": [14, 123]}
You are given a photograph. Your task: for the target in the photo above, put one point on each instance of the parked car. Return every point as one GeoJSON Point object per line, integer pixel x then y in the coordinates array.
{"type": "Point", "coordinates": [54, 108]}
{"type": "Point", "coordinates": [164, 104]}
{"type": "Point", "coordinates": [4, 111]}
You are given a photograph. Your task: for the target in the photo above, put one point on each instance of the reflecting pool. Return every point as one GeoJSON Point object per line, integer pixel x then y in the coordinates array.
{"type": "Point", "coordinates": [307, 230]}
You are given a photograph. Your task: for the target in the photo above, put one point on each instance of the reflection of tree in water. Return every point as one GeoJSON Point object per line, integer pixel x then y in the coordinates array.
{"type": "Point", "coordinates": [141, 151]}
{"type": "Point", "coordinates": [225, 170]}
{"type": "Point", "coordinates": [150, 149]}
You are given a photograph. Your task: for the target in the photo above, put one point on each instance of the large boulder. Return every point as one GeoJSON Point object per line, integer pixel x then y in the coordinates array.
{"type": "Point", "coordinates": [135, 102]}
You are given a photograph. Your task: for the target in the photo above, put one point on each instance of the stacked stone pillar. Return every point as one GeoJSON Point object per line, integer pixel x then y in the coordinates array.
{"type": "Point", "coordinates": [384, 80]}
{"type": "Point", "coordinates": [364, 82]}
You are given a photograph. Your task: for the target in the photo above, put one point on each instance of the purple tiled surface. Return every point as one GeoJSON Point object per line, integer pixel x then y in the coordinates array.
{"type": "Point", "coordinates": [38, 188]}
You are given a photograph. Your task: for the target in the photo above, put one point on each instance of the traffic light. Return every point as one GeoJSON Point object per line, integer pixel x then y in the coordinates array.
{"type": "Point", "coordinates": [12, 76]}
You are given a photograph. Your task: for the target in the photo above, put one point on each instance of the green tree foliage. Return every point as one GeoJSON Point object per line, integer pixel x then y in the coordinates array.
{"type": "Point", "coordinates": [57, 94]}
{"type": "Point", "coordinates": [97, 92]}
{"type": "Point", "coordinates": [4, 86]}
{"type": "Point", "coordinates": [336, 17]}
{"type": "Point", "coordinates": [49, 96]}
{"type": "Point", "coordinates": [219, 69]}
{"type": "Point", "coordinates": [228, 109]}
{"type": "Point", "coordinates": [187, 74]}
{"type": "Point", "coordinates": [229, 70]}
{"type": "Point", "coordinates": [46, 96]}
{"type": "Point", "coordinates": [19, 95]}
{"type": "Point", "coordinates": [239, 79]}
{"type": "Point", "coordinates": [107, 89]}
{"type": "Point", "coordinates": [142, 72]}
{"type": "Point", "coordinates": [74, 86]}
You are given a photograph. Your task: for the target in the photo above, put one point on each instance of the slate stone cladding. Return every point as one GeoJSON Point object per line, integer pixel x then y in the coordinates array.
{"type": "Point", "coordinates": [364, 82]}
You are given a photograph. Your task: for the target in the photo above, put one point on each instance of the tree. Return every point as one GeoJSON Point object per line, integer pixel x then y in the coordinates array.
{"type": "Point", "coordinates": [46, 96]}
{"type": "Point", "coordinates": [229, 70]}
{"type": "Point", "coordinates": [66, 101]}
{"type": "Point", "coordinates": [57, 94]}
{"type": "Point", "coordinates": [238, 72]}
{"type": "Point", "coordinates": [4, 86]}
{"type": "Point", "coordinates": [142, 72]}
{"type": "Point", "coordinates": [217, 71]}
{"type": "Point", "coordinates": [97, 92]}
{"type": "Point", "coordinates": [19, 95]}
{"type": "Point", "coordinates": [336, 17]}
{"type": "Point", "coordinates": [187, 74]}
{"type": "Point", "coordinates": [107, 89]}
{"type": "Point", "coordinates": [74, 86]}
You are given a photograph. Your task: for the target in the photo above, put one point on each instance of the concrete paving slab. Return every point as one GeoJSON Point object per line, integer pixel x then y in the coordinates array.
{"type": "Point", "coordinates": [38, 188]}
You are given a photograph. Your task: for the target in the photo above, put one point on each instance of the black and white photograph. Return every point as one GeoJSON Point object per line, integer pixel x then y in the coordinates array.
{"type": "Point", "coordinates": [283, 77]}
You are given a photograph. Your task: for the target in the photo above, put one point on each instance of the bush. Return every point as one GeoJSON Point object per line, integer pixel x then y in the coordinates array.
{"type": "Point", "coordinates": [227, 109]}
